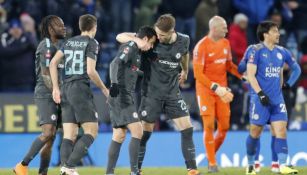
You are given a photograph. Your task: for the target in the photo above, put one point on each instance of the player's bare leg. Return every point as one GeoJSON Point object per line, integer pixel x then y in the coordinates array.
{"type": "Point", "coordinates": [136, 131]}
{"type": "Point", "coordinates": [187, 145]}
{"type": "Point", "coordinates": [251, 146]}
{"type": "Point", "coordinates": [48, 132]}
{"type": "Point", "coordinates": [118, 137]}
{"type": "Point", "coordinates": [147, 131]}
{"type": "Point", "coordinates": [281, 146]}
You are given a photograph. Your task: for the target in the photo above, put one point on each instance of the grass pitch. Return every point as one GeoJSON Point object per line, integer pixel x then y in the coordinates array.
{"type": "Point", "coordinates": [153, 171]}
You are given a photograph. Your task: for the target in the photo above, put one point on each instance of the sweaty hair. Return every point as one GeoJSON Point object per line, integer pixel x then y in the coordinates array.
{"type": "Point", "coordinates": [87, 22]}
{"type": "Point", "coordinates": [147, 31]}
{"type": "Point", "coordinates": [166, 22]}
{"type": "Point", "coordinates": [47, 22]}
{"type": "Point", "coordinates": [264, 27]}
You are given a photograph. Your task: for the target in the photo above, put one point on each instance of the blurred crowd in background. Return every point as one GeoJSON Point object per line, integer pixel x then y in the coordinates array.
{"type": "Point", "coordinates": [19, 37]}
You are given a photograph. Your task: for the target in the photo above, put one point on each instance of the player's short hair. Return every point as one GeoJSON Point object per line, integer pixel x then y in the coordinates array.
{"type": "Point", "coordinates": [87, 22]}
{"type": "Point", "coordinates": [47, 22]}
{"type": "Point", "coordinates": [264, 27]}
{"type": "Point", "coordinates": [147, 31]}
{"type": "Point", "coordinates": [166, 22]}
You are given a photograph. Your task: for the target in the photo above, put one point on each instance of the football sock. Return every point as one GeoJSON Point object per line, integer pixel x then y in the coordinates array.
{"type": "Point", "coordinates": [274, 154]}
{"type": "Point", "coordinates": [188, 148]}
{"type": "Point", "coordinates": [113, 154]}
{"type": "Point", "coordinates": [80, 150]}
{"type": "Point", "coordinates": [210, 145]}
{"type": "Point", "coordinates": [251, 146]}
{"type": "Point", "coordinates": [281, 149]}
{"type": "Point", "coordinates": [257, 150]}
{"type": "Point", "coordinates": [35, 148]}
{"type": "Point", "coordinates": [219, 139]}
{"type": "Point", "coordinates": [134, 147]}
{"type": "Point", "coordinates": [66, 149]}
{"type": "Point", "coordinates": [142, 151]}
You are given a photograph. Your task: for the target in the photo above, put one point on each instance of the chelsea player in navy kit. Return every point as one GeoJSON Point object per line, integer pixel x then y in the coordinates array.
{"type": "Point", "coordinates": [265, 63]}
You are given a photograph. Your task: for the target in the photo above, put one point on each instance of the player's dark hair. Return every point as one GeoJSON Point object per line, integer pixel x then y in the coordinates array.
{"type": "Point", "coordinates": [264, 27]}
{"type": "Point", "coordinates": [147, 31]}
{"type": "Point", "coordinates": [166, 22]}
{"type": "Point", "coordinates": [47, 22]}
{"type": "Point", "coordinates": [87, 22]}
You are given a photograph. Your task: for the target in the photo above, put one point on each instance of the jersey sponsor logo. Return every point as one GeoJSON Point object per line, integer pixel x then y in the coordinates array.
{"type": "Point", "coordinates": [211, 54]}
{"type": "Point", "coordinates": [61, 66]}
{"type": "Point", "coordinates": [76, 44]}
{"type": "Point", "coordinates": [272, 71]}
{"type": "Point", "coordinates": [279, 55]}
{"type": "Point", "coordinates": [171, 64]}
{"type": "Point", "coordinates": [53, 117]}
{"type": "Point", "coordinates": [178, 55]}
{"type": "Point", "coordinates": [220, 61]}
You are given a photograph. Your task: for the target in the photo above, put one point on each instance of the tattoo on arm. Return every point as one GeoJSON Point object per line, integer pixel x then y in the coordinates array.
{"type": "Point", "coordinates": [47, 78]}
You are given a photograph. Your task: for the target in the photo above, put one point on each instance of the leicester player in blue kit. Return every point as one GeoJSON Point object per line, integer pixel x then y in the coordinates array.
{"type": "Point", "coordinates": [264, 71]}
{"type": "Point", "coordinates": [295, 73]}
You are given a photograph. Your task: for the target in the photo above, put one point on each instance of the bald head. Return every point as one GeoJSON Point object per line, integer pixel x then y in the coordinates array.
{"type": "Point", "coordinates": [216, 21]}
{"type": "Point", "coordinates": [218, 27]}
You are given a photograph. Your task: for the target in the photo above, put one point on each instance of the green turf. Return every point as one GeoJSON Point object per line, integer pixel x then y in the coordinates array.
{"type": "Point", "coordinates": [154, 171]}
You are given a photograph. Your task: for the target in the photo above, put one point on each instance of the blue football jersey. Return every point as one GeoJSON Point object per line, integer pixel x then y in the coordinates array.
{"type": "Point", "coordinates": [269, 66]}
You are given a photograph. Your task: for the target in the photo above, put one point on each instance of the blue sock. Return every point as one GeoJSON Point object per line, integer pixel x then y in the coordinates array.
{"type": "Point", "coordinates": [251, 145]}
{"type": "Point", "coordinates": [281, 149]}
{"type": "Point", "coordinates": [274, 154]}
{"type": "Point", "coordinates": [257, 151]}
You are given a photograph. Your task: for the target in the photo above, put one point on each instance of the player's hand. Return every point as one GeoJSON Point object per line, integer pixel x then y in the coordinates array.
{"type": "Point", "coordinates": [114, 90]}
{"type": "Point", "coordinates": [264, 99]}
{"type": "Point", "coordinates": [285, 86]}
{"type": "Point", "coordinates": [228, 97]}
{"type": "Point", "coordinates": [105, 91]}
{"type": "Point", "coordinates": [244, 78]}
{"type": "Point", "coordinates": [56, 95]}
{"type": "Point", "coordinates": [183, 76]}
{"type": "Point", "coordinates": [219, 90]}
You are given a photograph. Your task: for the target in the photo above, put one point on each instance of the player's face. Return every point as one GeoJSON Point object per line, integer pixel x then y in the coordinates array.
{"type": "Point", "coordinates": [59, 29]}
{"type": "Point", "coordinates": [150, 42]}
{"type": "Point", "coordinates": [164, 37]}
{"type": "Point", "coordinates": [273, 35]}
{"type": "Point", "coordinates": [221, 30]}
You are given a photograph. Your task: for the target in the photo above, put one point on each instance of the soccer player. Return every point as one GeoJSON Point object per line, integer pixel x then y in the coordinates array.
{"type": "Point", "coordinates": [124, 71]}
{"type": "Point", "coordinates": [163, 93]}
{"type": "Point", "coordinates": [295, 73]}
{"type": "Point", "coordinates": [212, 60]}
{"type": "Point", "coordinates": [53, 31]}
{"type": "Point", "coordinates": [264, 72]}
{"type": "Point", "coordinates": [79, 54]}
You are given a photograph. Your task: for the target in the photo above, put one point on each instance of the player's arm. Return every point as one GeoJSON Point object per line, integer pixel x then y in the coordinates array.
{"type": "Point", "coordinates": [185, 68]}
{"type": "Point", "coordinates": [54, 75]}
{"type": "Point", "coordinates": [126, 37]}
{"type": "Point", "coordinates": [233, 69]}
{"type": "Point", "coordinates": [46, 77]}
{"type": "Point", "coordinates": [295, 70]}
{"type": "Point", "coordinates": [94, 76]}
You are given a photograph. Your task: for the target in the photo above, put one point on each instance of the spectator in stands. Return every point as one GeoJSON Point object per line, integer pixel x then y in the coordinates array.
{"type": "Point", "coordinates": [204, 12]}
{"type": "Point", "coordinates": [145, 15]}
{"type": "Point", "coordinates": [17, 49]}
{"type": "Point", "coordinates": [237, 36]}
{"type": "Point", "coordinates": [299, 25]}
{"type": "Point", "coordinates": [256, 11]}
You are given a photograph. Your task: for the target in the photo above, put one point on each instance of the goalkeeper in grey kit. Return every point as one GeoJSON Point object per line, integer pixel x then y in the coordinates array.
{"type": "Point", "coordinates": [124, 71]}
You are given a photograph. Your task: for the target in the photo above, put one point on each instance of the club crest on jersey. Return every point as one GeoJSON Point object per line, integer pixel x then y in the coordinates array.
{"type": "Point", "coordinates": [178, 55]}
{"type": "Point", "coordinates": [225, 51]}
{"type": "Point", "coordinates": [255, 116]}
{"type": "Point", "coordinates": [279, 55]}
